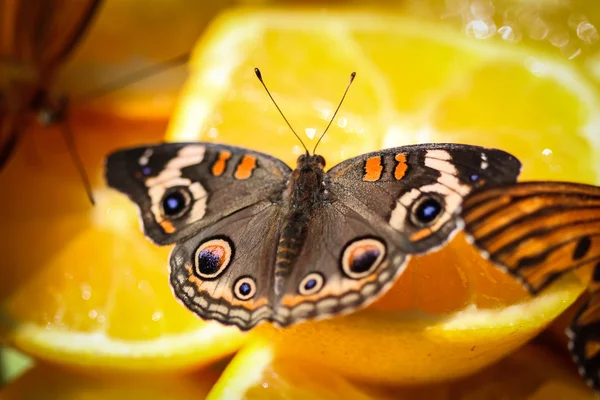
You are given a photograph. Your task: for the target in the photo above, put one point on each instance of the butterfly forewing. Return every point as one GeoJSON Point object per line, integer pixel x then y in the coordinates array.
{"type": "Point", "coordinates": [209, 182]}
{"type": "Point", "coordinates": [394, 185]}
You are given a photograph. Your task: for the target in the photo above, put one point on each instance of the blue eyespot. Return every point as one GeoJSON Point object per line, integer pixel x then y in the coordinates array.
{"type": "Point", "coordinates": [474, 178]}
{"type": "Point", "coordinates": [245, 289]}
{"type": "Point", "coordinates": [175, 203]}
{"type": "Point", "coordinates": [310, 284]}
{"type": "Point", "coordinates": [209, 261]}
{"type": "Point", "coordinates": [146, 171]}
{"type": "Point", "coordinates": [427, 211]}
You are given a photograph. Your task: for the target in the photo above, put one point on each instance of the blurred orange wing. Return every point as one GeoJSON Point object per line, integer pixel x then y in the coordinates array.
{"type": "Point", "coordinates": [42, 33]}
{"type": "Point", "coordinates": [35, 37]}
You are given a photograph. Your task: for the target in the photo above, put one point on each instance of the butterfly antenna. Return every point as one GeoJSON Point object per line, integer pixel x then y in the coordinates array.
{"type": "Point", "coordinates": [352, 75]}
{"type": "Point", "coordinates": [72, 149]}
{"type": "Point", "coordinates": [259, 76]}
{"type": "Point", "coordinates": [134, 77]}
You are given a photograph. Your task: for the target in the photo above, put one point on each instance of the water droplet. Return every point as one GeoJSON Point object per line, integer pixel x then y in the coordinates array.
{"type": "Point", "coordinates": [310, 132]}
{"type": "Point", "coordinates": [101, 319]}
{"type": "Point", "coordinates": [576, 19]}
{"type": "Point", "coordinates": [86, 291]}
{"type": "Point", "coordinates": [342, 122]}
{"type": "Point", "coordinates": [509, 34]}
{"type": "Point", "coordinates": [480, 29]}
{"type": "Point", "coordinates": [157, 316]}
{"type": "Point", "coordinates": [482, 9]}
{"type": "Point", "coordinates": [559, 38]}
{"type": "Point", "coordinates": [93, 314]}
{"type": "Point", "coordinates": [265, 385]}
{"type": "Point", "coordinates": [538, 30]}
{"type": "Point", "coordinates": [587, 32]}
{"type": "Point", "coordinates": [535, 66]}
{"type": "Point", "coordinates": [547, 152]}
{"type": "Point", "coordinates": [213, 132]}
{"type": "Point", "coordinates": [297, 150]}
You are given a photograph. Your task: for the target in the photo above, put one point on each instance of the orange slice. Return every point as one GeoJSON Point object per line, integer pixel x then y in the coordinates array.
{"type": "Point", "coordinates": [531, 373]}
{"type": "Point", "coordinates": [51, 383]}
{"type": "Point", "coordinates": [451, 313]}
{"type": "Point", "coordinates": [82, 285]}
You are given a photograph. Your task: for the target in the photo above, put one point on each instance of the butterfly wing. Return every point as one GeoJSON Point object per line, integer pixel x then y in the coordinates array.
{"type": "Point", "coordinates": [228, 271]}
{"type": "Point", "coordinates": [537, 232]}
{"type": "Point", "coordinates": [43, 33]}
{"type": "Point", "coordinates": [418, 190]}
{"type": "Point", "coordinates": [359, 241]}
{"type": "Point", "coordinates": [584, 334]}
{"type": "Point", "coordinates": [35, 37]}
{"type": "Point", "coordinates": [227, 230]}
{"type": "Point", "coordinates": [182, 188]}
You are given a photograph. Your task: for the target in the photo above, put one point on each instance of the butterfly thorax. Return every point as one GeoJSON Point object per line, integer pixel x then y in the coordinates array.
{"type": "Point", "coordinates": [306, 191]}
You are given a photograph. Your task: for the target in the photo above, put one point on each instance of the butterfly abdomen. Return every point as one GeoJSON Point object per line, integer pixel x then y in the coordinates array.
{"type": "Point", "coordinates": [307, 189]}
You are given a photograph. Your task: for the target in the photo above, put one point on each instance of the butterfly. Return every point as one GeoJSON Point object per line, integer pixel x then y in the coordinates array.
{"type": "Point", "coordinates": [538, 232]}
{"type": "Point", "coordinates": [258, 241]}
{"type": "Point", "coordinates": [35, 39]}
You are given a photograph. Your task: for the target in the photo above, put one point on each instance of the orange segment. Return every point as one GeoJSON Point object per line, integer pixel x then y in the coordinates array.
{"type": "Point", "coordinates": [532, 373]}
{"type": "Point", "coordinates": [451, 313]}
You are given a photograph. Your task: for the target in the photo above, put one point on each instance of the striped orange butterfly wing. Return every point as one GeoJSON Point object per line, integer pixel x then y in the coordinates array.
{"type": "Point", "coordinates": [35, 38]}
{"type": "Point", "coordinates": [537, 232]}
{"type": "Point", "coordinates": [584, 333]}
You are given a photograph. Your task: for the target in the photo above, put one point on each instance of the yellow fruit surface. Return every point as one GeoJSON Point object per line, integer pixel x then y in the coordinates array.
{"type": "Point", "coordinates": [450, 313]}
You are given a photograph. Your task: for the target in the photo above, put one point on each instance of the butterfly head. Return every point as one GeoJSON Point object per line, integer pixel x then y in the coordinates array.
{"type": "Point", "coordinates": [309, 162]}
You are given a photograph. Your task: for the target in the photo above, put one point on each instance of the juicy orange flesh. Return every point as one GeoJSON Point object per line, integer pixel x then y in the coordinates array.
{"type": "Point", "coordinates": [530, 373]}
{"type": "Point", "coordinates": [71, 266]}
{"type": "Point", "coordinates": [414, 84]}
{"type": "Point", "coordinates": [449, 280]}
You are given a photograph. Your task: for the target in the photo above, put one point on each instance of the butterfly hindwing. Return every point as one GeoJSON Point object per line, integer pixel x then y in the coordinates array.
{"type": "Point", "coordinates": [183, 188]}
{"type": "Point", "coordinates": [241, 252]}
{"type": "Point", "coordinates": [396, 185]}
{"type": "Point", "coordinates": [224, 272]}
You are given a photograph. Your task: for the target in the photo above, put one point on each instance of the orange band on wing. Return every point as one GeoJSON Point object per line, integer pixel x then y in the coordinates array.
{"type": "Point", "coordinates": [219, 166]}
{"type": "Point", "coordinates": [373, 169]}
{"type": "Point", "coordinates": [420, 234]}
{"type": "Point", "coordinates": [401, 167]}
{"type": "Point", "coordinates": [245, 167]}
{"type": "Point", "coordinates": [167, 226]}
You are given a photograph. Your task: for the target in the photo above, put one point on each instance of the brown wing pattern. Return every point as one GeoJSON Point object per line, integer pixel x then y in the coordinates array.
{"type": "Point", "coordinates": [538, 231]}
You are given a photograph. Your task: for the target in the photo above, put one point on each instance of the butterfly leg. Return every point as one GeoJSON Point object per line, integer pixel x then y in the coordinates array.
{"type": "Point", "coordinates": [584, 333]}
{"type": "Point", "coordinates": [8, 145]}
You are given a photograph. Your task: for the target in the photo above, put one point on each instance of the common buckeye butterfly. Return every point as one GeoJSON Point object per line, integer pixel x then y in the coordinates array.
{"type": "Point", "coordinates": [257, 241]}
